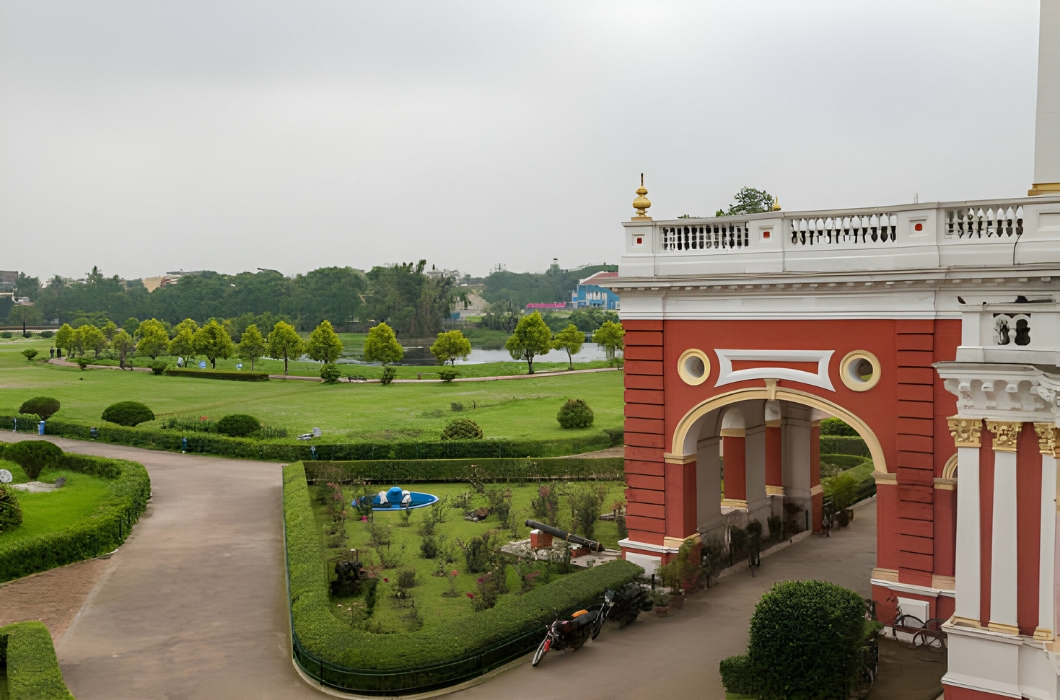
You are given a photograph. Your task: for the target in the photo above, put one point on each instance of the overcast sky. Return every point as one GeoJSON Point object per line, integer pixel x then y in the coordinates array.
{"type": "Point", "coordinates": [151, 136]}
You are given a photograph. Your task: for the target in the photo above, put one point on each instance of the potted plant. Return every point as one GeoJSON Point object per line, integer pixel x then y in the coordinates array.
{"type": "Point", "coordinates": [661, 602]}
{"type": "Point", "coordinates": [843, 490]}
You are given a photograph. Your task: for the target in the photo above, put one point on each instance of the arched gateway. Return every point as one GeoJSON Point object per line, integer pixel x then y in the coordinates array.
{"type": "Point", "coordinates": [932, 329]}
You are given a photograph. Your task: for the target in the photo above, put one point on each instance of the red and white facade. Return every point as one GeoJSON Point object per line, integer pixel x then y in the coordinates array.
{"type": "Point", "coordinates": [933, 330]}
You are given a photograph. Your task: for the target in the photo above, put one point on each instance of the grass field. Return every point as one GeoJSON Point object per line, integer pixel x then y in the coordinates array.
{"type": "Point", "coordinates": [390, 613]}
{"type": "Point", "coordinates": [42, 513]}
{"type": "Point", "coordinates": [524, 408]}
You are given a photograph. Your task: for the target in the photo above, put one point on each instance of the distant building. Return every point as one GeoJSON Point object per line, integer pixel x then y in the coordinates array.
{"type": "Point", "coordinates": [551, 306]}
{"type": "Point", "coordinates": [590, 295]}
{"type": "Point", "coordinates": [8, 278]}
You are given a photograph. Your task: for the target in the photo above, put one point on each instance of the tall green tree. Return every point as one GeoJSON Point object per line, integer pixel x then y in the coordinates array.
{"type": "Point", "coordinates": [109, 329]}
{"type": "Point", "coordinates": [154, 340]}
{"type": "Point", "coordinates": [609, 337]}
{"type": "Point", "coordinates": [324, 345]}
{"type": "Point", "coordinates": [749, 201]}
{"type": "Point", "coordinates": [26, 286]}
{"type": "Point", "coordinates": [251, 345]}
{"type": "Point", "coordinates": [531, 337]}
{"type": "Point", "coordinates": [382, 346]}
{"type": "Point", "coordinates": [409, 300]}
{"type": "Point", "coordinates": [64, 338]}
{"type": "Point", "coordinates": [93, 338]}
{"type": "Point", "coordinates": [449, 346]}
{"type": "Point", "coordinates": [183, 345]}
{"type": "Point", "coordinates": [284, 343]}
{"type": "Point", "coordinates": [123, 344]}
{"type": "Point", "coordinates": [570, 339]}
{"type": "Point", "coordinates": [131, 325]}
{"type": "Point", "coordinates": [213, 341]}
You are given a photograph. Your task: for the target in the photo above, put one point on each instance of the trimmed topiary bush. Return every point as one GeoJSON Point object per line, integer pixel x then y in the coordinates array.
{"type": "Point", "coordinates": [575, 414]}
{"type": "Point", "coordinates": [47, 334]}
{"type": "Point", "coordinates": [787, 658]}
{"type": "Point", "coordinates": [10, 511]}
{"type": "Point", "coordinates": [33, 456]}
{"type": "Point", "coordinates": [42, 406]}
{"type": "Point", "coordinates": [330, 373]}
{"type": "Point", "coordinates": [238, 425]}
{"type": "Point", "coordinates": [462, 429]}
{"type": "Point", "coordinates": [128, 413]}
{"type": "Point", "coordinates": [158, 367]}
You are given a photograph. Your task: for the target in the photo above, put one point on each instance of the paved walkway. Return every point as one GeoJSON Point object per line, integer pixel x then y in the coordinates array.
{"type": "Point", "coordinates": [193, 604]}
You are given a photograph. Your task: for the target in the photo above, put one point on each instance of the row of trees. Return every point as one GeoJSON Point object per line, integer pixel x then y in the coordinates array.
{"type": "Point", "coordinates": [188, 341]}
{"type": "Point", "coordinates": [533, 337]}
{"type": "Point", "coordinates": [409, 298]}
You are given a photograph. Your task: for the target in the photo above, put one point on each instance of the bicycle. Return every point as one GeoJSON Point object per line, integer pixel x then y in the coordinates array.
{"type": "Point", "coordinates": [870, 655]}
{"type": "Point", "coordinates": [828, 517]}
{"type": "Point", "coordinates": [754, 554]}
{"type": "Point", "coordinates": [925, 634]}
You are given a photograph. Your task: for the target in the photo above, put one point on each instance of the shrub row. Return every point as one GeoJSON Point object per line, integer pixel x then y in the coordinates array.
{"type": "Point", "coordinates": [843, 445]}
{"type": "Point", "coordinates": [357, 660]}
{"type": "Point", "coordinates": [130, 487]}
{"type": "Point", "coordinates": [843, 461]}
{"type": "Point", "coordinates": [513, 469]}
{"type": "Point", "coordinates": [245, 448]}
{"type": "Point", "coordinates": [217, 374]}
{"type": "Point", "coordinates": [32, 669]}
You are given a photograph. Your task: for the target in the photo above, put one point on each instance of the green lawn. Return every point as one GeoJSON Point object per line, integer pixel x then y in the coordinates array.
{"type": "Point", "coordinates": [43, 513]}
{"type": "Point", "coordinates": [516, 409]}
{"type": "Point", "coordinates": [433, 606]}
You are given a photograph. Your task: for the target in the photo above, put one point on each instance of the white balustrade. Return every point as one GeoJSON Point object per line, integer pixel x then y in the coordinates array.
{"type": "Point", "coordinates": [969, 222]}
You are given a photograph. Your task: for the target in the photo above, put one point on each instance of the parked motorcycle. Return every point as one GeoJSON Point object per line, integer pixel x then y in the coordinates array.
{"type": "Point", "coordinates": [622, 606]}
{"type": "Point", "coordinates": [567, 634]}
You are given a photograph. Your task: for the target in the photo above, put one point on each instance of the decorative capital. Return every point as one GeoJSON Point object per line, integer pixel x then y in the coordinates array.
{"type": "Point", "coordinates": [1006, 434]}
{"type": "Point", "coordinates": [641, 203]}
{"type": "Point", "coordinates": [965, 431]}
{"type": "Point", "coordinates": [1046, 438]}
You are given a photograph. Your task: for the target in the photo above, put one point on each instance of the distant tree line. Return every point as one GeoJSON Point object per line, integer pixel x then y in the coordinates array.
{"type": "Point", "coordinates": [518, 289]}
{"type": "Point", "coordinates": [410, 300]}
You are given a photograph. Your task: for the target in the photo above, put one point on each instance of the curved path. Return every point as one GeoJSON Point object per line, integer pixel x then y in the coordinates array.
{"type": "Point", "coordinates": [193, 604]}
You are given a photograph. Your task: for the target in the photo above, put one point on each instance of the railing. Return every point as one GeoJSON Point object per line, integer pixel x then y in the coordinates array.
{"type": "Point", "coordinates": [969, 223]}
{"type": "Point", "coordinates": [874, 228]}
{"type": "Point", "coordinates": [719, 236]}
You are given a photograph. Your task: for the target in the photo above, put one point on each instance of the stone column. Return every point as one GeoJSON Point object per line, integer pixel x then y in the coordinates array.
{"type": "Point", "coordinates": [733, 445]}
{"type": "Point", "coordinates": [1047, 118]}
{"type": "Point", "coordinates": [816, 491]}
{"type": "Point", "coordinates": [1004, 560]}
{"type": "Point", "coordinates": [708, 484]}
{"type": "Point", "coordinates": [774, 458]}
{"type": "Point", "coordinates": [966, 436]}
{"type": "Point", "coordinates": [1046, 629]}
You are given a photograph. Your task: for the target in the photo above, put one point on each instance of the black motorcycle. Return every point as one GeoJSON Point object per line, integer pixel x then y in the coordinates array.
{"type": "Point", "coordinates": [567, 634]}
{"type": "Point", "coordinates": [622, 606]}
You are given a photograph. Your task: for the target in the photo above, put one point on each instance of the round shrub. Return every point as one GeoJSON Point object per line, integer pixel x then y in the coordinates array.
{"type": "Point", "coordinates": [46, 334]}
{"type": "Point", "coordinates": [10, 511]}
{"type": "Point", "coordinates": [462, 429]}
{"type": "Point", "coordinates": [575, 414]}
{"type": "Point", "coordinates": [158, 367]}
{"type": "Point", "coordinates": [33, 456]}
{"type": "Point", "coordinates": [330, 373]}
{"type": "Point", "coordinates": [128, 413]}
{"type": "Point", "coordinates": [238, 425]}
{"type": "Point", "coordinates": [43, 406]}
{"type": "Point", "coordinates": [793, 659]}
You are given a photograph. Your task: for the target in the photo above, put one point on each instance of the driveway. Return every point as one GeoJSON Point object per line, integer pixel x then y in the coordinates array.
{"type": "Point", "coordinates": [193, 604]}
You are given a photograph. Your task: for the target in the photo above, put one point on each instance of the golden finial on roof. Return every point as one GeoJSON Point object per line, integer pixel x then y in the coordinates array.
{"type": "Point", "coordinates": [641, 203]}
{"type": "Point", "coordinates": [776, 204]}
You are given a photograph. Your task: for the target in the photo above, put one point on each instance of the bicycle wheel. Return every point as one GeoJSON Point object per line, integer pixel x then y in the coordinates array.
{"type": "Point", "coordinates": [540, 653]}
{"type": "Point", "coordinates": [932, 642]}
{"type": "Point", "coordinates": [863, 684]}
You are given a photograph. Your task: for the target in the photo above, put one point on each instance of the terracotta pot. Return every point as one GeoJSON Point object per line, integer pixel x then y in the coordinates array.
{"type": "Point", "coordinates": [662, 610]}
{"type": "Point", "coordinates": [677, 602]}
{"type": "Point", "coordinates": [843, 518]}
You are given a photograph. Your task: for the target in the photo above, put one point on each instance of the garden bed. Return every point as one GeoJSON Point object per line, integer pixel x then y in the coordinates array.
{"type": "Point", "coordinates": [390, 651]}
{"type": "Point", "coordinates": [90, 515]}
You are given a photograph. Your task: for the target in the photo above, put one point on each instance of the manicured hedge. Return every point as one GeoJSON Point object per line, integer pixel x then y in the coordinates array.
{"type": "Point", "coordinates": [237, 376]}
{"type": "Point", "coordinates": [843, 461]}
{"type": "Point", "coordinates": [104, 532]}
{"type": "Point", "coordinates": [353, 659]}
{"type": "Point", "coordinates": [245, 448]}
{"type": "Point", "coordinates": [408, 471]}
{"type": "Point", "coordinates": [32, 669]}
{"type": "Point", "coordinates": [842, 445]}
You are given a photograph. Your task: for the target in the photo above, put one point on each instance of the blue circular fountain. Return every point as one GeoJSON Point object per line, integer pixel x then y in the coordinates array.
{"type": "Point", "coordinates": [397, 498]}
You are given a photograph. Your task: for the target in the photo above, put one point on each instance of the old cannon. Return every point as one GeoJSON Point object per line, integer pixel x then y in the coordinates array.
{"type": "Point", "coordinates": [592, 545]}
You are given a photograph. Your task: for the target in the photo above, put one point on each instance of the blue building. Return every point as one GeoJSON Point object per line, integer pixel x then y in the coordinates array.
{"type": "Point", "coordinates": [590, 295]}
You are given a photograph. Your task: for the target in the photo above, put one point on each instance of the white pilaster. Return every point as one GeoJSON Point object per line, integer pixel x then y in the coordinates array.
{"type": "Point", "coordinates": [1047, 118]}
{"type": "Point", "coordinates": [1004, 562]}
{"type": "Point", "coordinates": [1046, 629]}
{"type": "Point", "coordinates": [967, 564]}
